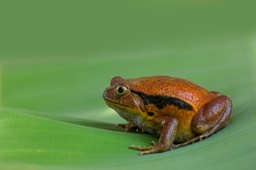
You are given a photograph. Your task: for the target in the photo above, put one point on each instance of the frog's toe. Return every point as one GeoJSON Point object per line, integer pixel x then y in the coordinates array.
{"type": "Point", "coordinates": [144, 149]}
{"type": "Point", "coordinates": [153, 143]}
{"type": "Point", "coordinates": [153, 150]}
{"type": "Point", "coordinates": [150, 149]}
{"type": "Point", "coordinates": [140, 148]}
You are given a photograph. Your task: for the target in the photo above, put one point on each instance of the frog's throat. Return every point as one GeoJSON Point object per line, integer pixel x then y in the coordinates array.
{"type": "Point", "coordinates": [111, 103]}
{"type": "Point", "coordinates": [125, 111]}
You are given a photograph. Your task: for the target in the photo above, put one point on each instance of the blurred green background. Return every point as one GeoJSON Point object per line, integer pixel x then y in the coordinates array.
{"type": "Point", "coordinates": [57, 57]}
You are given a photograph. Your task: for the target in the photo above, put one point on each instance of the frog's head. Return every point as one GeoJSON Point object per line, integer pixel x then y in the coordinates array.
{"type": "Point", "coordinates": [124, 101]}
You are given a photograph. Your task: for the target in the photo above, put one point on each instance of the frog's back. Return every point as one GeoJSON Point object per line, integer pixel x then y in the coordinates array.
{"type": "Point", "coordinates": [173, 87]}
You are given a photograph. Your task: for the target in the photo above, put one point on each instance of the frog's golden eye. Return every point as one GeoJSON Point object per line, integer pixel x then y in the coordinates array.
{"type": "Point", "coordinates": [121, 90]}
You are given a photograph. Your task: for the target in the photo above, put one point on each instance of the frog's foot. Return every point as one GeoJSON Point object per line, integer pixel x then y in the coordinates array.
{"type": "Point", "coordinates": [150, 149]}
{"type": "Point", "coordinates": [129, 127]}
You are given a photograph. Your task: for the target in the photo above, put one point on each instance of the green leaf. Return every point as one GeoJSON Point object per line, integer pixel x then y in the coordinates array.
{"type": "Point", "coordinates": [54, 70]}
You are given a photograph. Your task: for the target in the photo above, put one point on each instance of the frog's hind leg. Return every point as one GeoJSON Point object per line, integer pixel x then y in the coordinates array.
{"type": "Point", "coordinates": [210, 118]}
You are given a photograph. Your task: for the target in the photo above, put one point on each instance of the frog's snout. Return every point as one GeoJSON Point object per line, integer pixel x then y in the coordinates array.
{"type": "Point", "coordinates": [107, 94]}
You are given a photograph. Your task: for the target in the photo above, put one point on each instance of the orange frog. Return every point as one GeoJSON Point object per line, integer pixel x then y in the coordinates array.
{"type": "Point", "coordinates": [178, 111]}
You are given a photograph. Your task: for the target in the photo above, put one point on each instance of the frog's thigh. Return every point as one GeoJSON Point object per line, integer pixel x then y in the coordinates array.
{"type": "Point", "coordinates": [212, 117]}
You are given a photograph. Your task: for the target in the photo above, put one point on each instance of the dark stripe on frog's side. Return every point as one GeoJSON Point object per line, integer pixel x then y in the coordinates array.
{"type": "Point", "coordinates": [161, 101]}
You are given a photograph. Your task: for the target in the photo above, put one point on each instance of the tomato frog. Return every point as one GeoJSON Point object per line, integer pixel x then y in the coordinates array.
{"type": "Point", "coordinates": [178, 111]}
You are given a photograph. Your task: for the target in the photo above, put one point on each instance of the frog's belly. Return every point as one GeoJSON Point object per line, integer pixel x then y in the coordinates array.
{"type": "Point", "coordinates": [184, 134]}
{"type": "Point", "coordinates": [185, 131]}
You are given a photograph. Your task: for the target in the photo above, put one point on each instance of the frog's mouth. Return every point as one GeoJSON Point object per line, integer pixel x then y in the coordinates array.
{"type": "Point", "coordinates": [114, 104]}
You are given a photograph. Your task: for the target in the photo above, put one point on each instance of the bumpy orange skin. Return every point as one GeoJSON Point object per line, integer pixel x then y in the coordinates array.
{"type": "Point", "coordinates": [209, 110]}
{"type": "Point", "coordinates": [173, 87]}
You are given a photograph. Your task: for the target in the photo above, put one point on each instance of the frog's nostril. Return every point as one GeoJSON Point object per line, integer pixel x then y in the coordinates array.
{"type": "Point", "coordinates": [108, 90]}
{"type": "Point", "coordinates": [108, 93]}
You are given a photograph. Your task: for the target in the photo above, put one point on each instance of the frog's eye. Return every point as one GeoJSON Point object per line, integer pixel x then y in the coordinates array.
{"type": "Point", "coordinates": [121, 90]}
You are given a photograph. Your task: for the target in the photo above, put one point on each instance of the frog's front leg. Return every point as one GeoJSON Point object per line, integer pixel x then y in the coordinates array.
{"type": "Point", "coordinates": [129, 127]}
{"type": "Point", "coordinates": [210, 118]}
{"type": "Point", "coordinates": [166, 139]}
